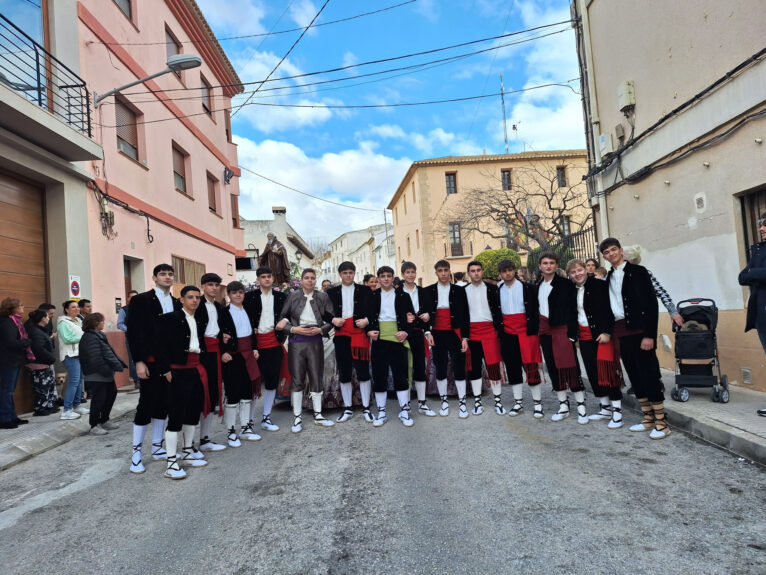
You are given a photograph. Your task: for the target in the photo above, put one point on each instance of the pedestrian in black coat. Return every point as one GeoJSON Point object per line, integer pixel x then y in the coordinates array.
{"type": "Point", "coordinates": [41, 370]}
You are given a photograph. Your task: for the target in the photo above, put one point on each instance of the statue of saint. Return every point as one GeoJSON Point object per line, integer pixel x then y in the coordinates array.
{"type": "Point", "coordinates": [275, 256]}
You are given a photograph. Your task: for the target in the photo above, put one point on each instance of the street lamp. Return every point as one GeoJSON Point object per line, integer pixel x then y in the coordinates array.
{"type": "Point", "coordinates": [176, 63]}
{"type": "Point", "coordinates": [298, 256]}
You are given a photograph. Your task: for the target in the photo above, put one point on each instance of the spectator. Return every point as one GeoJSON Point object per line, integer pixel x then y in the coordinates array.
{"type": "Point", "coordinates": [326, 284]}
{"type": "Point", "coordinates": [591, 265]}
{"type": "Point", "coordinates": [15, 351]}
{"type": "Point", "coordinates": [41, 369]}
{"type": "Point", "coordinates": [99, 363]}
{"type": "Point", "coordinates": [754, 276]}
{"type": "Point", "coordinates": [70, 332]}
{"type": "Point", "coordinates": [371, 281]}
{"type": "Point", "coordinates": [122, 325]}
{"type": "Point", "coordinates": [50, 309]}
{"type": "Point", "coordinates": [600, 273]}
{"type": "Point", "coordinates": [86, 308]}
{"type": "Point", "coordinates": [458, 277]}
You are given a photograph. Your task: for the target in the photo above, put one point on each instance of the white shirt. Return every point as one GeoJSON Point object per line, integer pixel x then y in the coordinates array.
{"type": "Point", "coordinates": [307, 315]}
{"type": "Point", "coordinates": [581, 317]}
{"type": "Point", "coordinates": [443, 293]}
{"type": "Point", "coordinates": [387, 305]}
{"type": "Point", "coordinates": [241, 321]}
{"type": "Point", "coordinates": [543, 292]}
{"type": "Point", "coordinates": [166, 300]}
{"type": "Point", "coordinates": [461, 283]}
{"type": "Point", "coordinates": [615, 292]}
{"type": "Point", "coordinates": [413, 296]}
{"type": "Point", "coordinates": [478, 306]}
{"type": "Point", "coordinates": [193, 338]}
{"type": "Point", "coordinates": [512, 298]}
{"type": "Point", "coordinates": [266, 323]}
{"type": "Point", "coordinates": [212, 329]}
{"type": "Point", "coordinates": [347, 299]}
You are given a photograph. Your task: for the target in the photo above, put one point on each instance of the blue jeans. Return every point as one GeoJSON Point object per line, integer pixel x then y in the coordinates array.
{"type": "Point", "coordinates": [9, 377]}
{"type": "Point", "coordinates": [73, 393]}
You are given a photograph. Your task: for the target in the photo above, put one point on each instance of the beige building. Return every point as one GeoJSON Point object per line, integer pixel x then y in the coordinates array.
{"type": "Point", "coordinates": [675, 129]}
{"type": "Point", "coordinates": [455, 207]}
{"type": "Point", "coordinates": [368, 248]}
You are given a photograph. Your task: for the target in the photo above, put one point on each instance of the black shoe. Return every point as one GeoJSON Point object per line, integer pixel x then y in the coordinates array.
{"type": "Point", "coordinates": [9, 425]}
{"type": "Point", "coordinates": [762, 412]}
{"type": "Point", "coordinates": [630, 391]}
{"type": "Point", "coordinates": [41, 413]}
{"type": "Point", "coordinates": [52, 410]}
{"type": "Point", "coordinates": [19, 421]}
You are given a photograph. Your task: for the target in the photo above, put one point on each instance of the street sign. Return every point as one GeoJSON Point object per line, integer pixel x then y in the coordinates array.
{"type": "Point", "coordinates": [74, 288]}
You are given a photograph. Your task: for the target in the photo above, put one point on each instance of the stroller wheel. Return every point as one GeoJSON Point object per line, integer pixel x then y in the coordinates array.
{"type": "Point", "coordinates": [715, 395]}
{"type": "Point", "coordinates": [725, 381]}
{"type": "Point", "coordinates": [683, 394]}
{"type": "Point", "coordinates": [674, 394]}
{"type": "Point", "coordinates": [724, 396]}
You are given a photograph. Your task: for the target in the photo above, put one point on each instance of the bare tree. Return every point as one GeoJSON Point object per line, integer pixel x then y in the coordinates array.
{"type": "Point", "coordinates": [532, 206]}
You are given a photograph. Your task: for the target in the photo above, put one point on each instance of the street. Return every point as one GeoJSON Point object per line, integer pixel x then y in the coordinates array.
{"type": "Point", "coordinates": [486, 495]}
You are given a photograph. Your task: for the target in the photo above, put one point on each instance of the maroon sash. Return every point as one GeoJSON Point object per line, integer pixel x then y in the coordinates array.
{"type": "Point", "coordinates": [245, 348]}
{"type": "Point", "coordinates": [212, 345]}
{"type": "Point", "coordinates": [563, 353]}
{"type": "Point", "coordinates": [360, 343]}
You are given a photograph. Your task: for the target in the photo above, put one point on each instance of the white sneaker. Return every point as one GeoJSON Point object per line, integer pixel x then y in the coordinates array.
{"type": "Point", "coordinates": [297, 425]}
{"type": "Point", "coordinates": [174, 471]}
{"type": "Point", "coordinates": [82, 410]}
{"type": "Point", "coordinates": [320, 420]}
{"type": "Point", "coordinates": [444, 411]}
{"type": "Point", "coordinates": [423, 409]}
{"type": "Point", "coordinates": [267, 425]}
{"type": "Point", "coordinates": [190, 459]}
{"type": "Point", "coordinates": [368, 417]}
{"type": "Point", "coordinates": [232, 439]}
{"type": "Point", "coordinates": [462, 411]}
{"type": "Point", "coordinates": [381, 419]}
{"type": "Point", "coordinates": [69, 414]}
{"type": "Point", "coordinates": [206, 444]}
{"type": "Point", "coordinates": [249, 434]}
{"type": "Point", "coordinates": [158, 452]}
{"type": "Point", "coordinates": [345, 416]}
{"type": "Point", "coordinates": [404, 416]}
{"type": "Point", "coordinates": [601, 414]}
{"type": "Point", "coordinates": [98, 430]}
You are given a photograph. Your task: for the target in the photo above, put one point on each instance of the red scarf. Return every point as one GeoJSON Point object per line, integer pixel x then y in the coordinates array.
{"type": "Point", "coordinates": [269, 340]}
{"type": "Point", "coordinates": [360, 343]}
{"type": "Point", "coordinates": [609, 370]}
{"type": "Point", "coordinates": [563, 353]}
{"type": "Point", "coordinates": [193, 362]}
{"type": "Point", "coordinates": [245, 348]}
{"type": "Point", "coordinates": [212, 346]}
{"type": "Point", "coordinates": [531, 356]}
{"type": "Point", "coordinates": [23, 335]}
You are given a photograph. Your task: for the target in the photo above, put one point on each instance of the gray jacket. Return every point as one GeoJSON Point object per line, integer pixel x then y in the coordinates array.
{"type": "Point", "coordinates": [320, 304]}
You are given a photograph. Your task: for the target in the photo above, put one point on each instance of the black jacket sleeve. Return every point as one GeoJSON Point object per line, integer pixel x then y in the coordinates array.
{"type": "Point", "coordinates": [42, 345]}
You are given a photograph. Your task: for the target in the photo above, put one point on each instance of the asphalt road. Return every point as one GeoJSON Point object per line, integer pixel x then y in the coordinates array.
{"type": "Point", "coordinates": [485, 495]}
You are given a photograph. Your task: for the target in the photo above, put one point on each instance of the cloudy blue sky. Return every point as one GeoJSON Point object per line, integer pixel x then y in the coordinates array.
{"type": "Point", "coordinates": [358, 156]}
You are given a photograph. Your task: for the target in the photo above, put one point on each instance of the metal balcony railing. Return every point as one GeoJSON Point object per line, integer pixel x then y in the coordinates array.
{"type": "Point", "coordinates": [32, 71]}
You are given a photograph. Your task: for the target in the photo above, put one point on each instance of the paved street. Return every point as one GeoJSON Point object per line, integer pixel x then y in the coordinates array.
{"type": "Point", "coordinates": [486, 495]}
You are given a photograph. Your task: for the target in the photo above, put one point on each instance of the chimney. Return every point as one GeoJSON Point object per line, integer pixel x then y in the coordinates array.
{"type": "Point", "coordinates": [280, 212]}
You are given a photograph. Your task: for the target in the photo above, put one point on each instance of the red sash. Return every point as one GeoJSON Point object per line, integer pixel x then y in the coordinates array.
{"type": "Point", "coordinates": [531, 356]}
{"type": "Point", "coordinates": [563, 353]}
{"type": "Point", "coordinates": [609, 370]}
{"type": "Point", "coordinates": [245, 348]}
{"type": "Point", "coordinates": [269, 340]}
{"type": "Point", "coordinates": [443, 322]}
{"type": "Point", "coordinates": [193, 362]}
{"type": "Point", "coordinates": [484, 332]}
{"type": "Point", "coordinates": [360, 343]}
{"type": "Point", "coordinates": [212, 346]}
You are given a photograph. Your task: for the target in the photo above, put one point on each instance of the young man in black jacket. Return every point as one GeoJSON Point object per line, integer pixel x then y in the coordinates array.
{"type": "Point", "coordinates": [352, 347]}
{"type": "Point", "coordinates": [145, 311]}
{"type": "Point", "coordinates": [634, 305]}
{"type": "Point", "coordinates": [388, 329]}
{"type": "Point", "coordinates": [449, 334]}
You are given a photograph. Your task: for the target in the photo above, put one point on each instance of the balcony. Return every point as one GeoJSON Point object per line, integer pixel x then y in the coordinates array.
{"type": "Point", "coordinates": [458, 250]}
{"type": "Point", "coordinates": [42, 99]}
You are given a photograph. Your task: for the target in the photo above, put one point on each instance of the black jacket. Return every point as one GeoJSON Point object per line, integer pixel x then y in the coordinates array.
{"type": "Point", "coordinates": [754, 276]}
{"type": "Point", "coordinates": [42, 344]}
{"type": "Point", "coordinates": [12, 347]}
{"type": "Point", "coordinates": [226, 323]}
{"type": "Point", "coordinates": [638, 300]}
{"type": "Point", "coordinates": [362, 296]}
{"type": "Point", "coordinates": [424, 303]}
{"type": "Point", "coordinates": [493, 299]}
{"type": "Point", "coordinates": [531, 306]}
{"type": "Point", "coordinates": [142, 324]}
{"type": "Point", "coordinates": [254, 307]}
{"type": "Point", "coordinates": [597, 308]}
{"type": "Point", "coordinates": [458, 307]}
{"type": "Point", "coordinates": [203, 318]}
{"type": "Point", "coordinates": [97, 356]}
{"type": "Point", "coordinates": [402, 306]}
{"type": "Point", "coordinates": [173, 335]}
{"type": "Point", "coordinates": [562, 305]}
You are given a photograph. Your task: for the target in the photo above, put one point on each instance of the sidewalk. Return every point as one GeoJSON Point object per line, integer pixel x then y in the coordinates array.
{"type": "Point", "coordinates": [735, 426]}
{"type": "Point", "coordinates": [44, 433]}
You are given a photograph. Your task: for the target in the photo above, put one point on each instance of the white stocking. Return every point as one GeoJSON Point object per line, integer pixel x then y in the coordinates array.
{"type": "Point", "coordinates": [420, 388]}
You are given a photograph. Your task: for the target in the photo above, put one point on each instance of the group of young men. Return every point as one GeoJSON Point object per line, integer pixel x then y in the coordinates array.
{"type": "Point", "coordinates": [194, 355]}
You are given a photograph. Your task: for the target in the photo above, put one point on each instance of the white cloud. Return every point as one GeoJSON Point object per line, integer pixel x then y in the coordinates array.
{"type": "Point", "coordinates": [303, 12]}
{"type": "Point", "coordinates": [237, 17]}
{"type": "Point", "coordinates": [436, 140]}
{"type": "Point", "coordinates": [360, 176]}
{"type": "Point", "coordinates": [428, 8]}
{"type": "Point", "coordinates": [350, 59]}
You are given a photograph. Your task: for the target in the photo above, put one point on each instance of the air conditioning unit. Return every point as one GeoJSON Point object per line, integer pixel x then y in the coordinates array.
{"type": "Point", "coordinates": [605, 146]}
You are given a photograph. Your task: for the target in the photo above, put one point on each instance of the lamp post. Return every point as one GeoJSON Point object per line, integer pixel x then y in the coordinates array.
{"type": "Point", "coordinates": [298, 256]}
{"type": "Point", "coordinates": [175, 63]}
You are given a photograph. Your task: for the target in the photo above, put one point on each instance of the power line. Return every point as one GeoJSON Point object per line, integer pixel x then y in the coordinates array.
{"type": "Point", "coordinates": [283, 57]}
{"type": "Point", "coordinates": [307, 194]}
{"type": "Point", "coordinates": [264, 34]}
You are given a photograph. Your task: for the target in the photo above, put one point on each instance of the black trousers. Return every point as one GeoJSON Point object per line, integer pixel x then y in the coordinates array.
{"type": "Point", "coordinates": [546, 344]}
{"type": "Point", "coordinates": [588, 352]}
{"type": "Point", "coordinates": [643, 368]}
{"type": "Point", "coordinates": [447, 346]}
{"type": "Point", "coordinates": [210, 363]}
{"type": "Point", "coordinates": [236, 380]}
{"type": "Point", "coordinates": [346, 362]}
{"type": "Point", "coordinates": [270, 362]}
{"type": "Point", "coordinates": [477, 357]}
{"type": "Point", "coordinates": [185, 398]}
{"type": "Point", "coordinates": [511, 352]}
{"type": "Point", "coordinates": [418, 347]}
{"type": "Point", "coordinates": [152, 398]}
{"type": "Point", "coordinates": [104, 394]}
{"type": "Point", "coordinates": [385, 355]}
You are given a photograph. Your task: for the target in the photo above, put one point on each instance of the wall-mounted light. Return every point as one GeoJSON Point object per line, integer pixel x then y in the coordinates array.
{"type": "Point", "coordinates": [706, 164]}
{"type": "Point", "coordinates": [636, 196]}
{"type": "Point", "coordinates": [758, 141]}
{"type": "Point", "coordinates": [667, 182]}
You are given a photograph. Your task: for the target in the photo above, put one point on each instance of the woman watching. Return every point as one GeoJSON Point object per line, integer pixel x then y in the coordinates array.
{"type": "Point", "coordinates": [69, 329]}
{"type": "Point", "coordinates": [41, 369]}
{"type": "Point", "coordinates": [14, 352]}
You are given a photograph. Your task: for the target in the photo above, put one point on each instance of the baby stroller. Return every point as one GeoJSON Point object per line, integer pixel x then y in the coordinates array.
{"type": "Point", "coordinates": [696, 340]}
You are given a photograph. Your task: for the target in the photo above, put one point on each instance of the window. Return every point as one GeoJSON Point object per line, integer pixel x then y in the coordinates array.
{"type": "Point", "coordinates": [404, 197]}
{"type": "Point", "coordinates": [172, 48]}
{"type": "Point", "coordinates": [399, 251]}
{"type": "Point", "coordinates": [187, 272]}
{"type": "Point", "coordinates": [124, 5]}
{"type": "Point", "coordinates": [506, 177]}
{"type": "Point", "coordinates": [409, 251]}
{"type": "Point", "coordinates": [396, 216]}
{"type": "Point", "coordinates": [561, 176]}
{"type": "Point", "coordinates": [212, 194]}
{"type": "Point", "coordinates": [227, 123]}
{"type": "Point", "coordinates": [417, 239]}
{"type": "Point", "coordinates": [414, 197]}
{"type": "Point", "coordinates": [127, 130]}
{"type": "Point", "coordinates": [456, 244]}
{"type": "Point", "coordinates": [179, 170]}
{"type": "Point", "coordinates": [451, 182]}
{"type": "Point", "coordinates": [565, 225]}
{"type": "Point", "coordinates": [206, 92]}
{"type": "Point", "coordinates": [234, 211]}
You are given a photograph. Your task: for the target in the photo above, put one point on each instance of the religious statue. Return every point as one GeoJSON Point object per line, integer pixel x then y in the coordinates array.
{"type": "Point", "coordinates": [275, 256]}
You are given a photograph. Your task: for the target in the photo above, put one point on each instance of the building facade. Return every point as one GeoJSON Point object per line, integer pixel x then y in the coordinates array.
{"type": "Point", "coordinates": [455, 207]}
{"type": "Point", "coordinates": [676, 152]}
{"type": "Point", "coordinates": [368, 249]}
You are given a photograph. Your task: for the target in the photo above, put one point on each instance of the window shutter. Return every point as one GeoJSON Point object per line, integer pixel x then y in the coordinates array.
{"type": "Point", "coordinates": [211, 199]}
{"type": "Point", "coordinates": [170, 44]}
{"type": "Point", "coordinates": [126, 124]}
{"type": "Point", "coordinates": [178, 162]}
